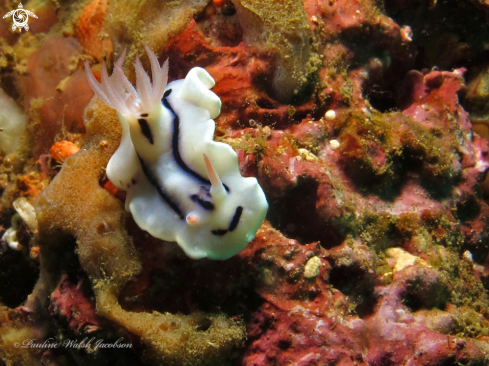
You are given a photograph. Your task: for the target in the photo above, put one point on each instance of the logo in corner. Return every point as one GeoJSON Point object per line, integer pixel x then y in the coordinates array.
{"type": "Point", "coordinates": [20, 17]}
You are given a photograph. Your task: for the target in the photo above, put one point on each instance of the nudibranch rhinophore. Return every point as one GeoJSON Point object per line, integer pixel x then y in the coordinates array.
{"type": "Point", "coordinates": [181, 185]}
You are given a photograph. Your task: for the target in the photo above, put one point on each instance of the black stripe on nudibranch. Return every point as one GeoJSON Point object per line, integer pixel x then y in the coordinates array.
{"type": "Point", "coordinates": [235, 221]}
{"type": "Point", "coordinates": [176, 144]}
{"type": "Point", "coordinates": [232, 225]}
{"type": "Point", "coordinates": [207, 205]}
{"type": "Point", "coordinates": [146, 130]}
{"type": "Point", "coordinates": [219, 232]}
{"type": "Point", "coordinates": [160, 190]}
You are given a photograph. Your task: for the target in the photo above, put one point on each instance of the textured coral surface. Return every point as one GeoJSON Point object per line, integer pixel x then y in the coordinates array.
{"type": "Point", "coordinates": [365, 122]}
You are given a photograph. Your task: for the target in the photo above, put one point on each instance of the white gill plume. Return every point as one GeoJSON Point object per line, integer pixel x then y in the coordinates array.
{"type": "Point", "coordinates": [117, 91]}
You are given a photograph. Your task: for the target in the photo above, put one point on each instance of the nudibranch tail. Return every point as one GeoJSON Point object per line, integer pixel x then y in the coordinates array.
{"type": "Point", "coordinates": [117, 91]}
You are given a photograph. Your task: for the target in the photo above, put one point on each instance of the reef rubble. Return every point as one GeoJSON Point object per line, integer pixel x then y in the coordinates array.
{"type": "Point", "coordinates": [369, 140]}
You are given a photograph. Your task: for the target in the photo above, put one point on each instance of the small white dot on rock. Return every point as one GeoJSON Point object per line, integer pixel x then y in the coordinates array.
{"type": "Point", "coordinates": [468, 256]}
{"type": "Point", "coordinates": [311, 269]}
{"type": "Point", "coordinates": [330, 114]}
{"type": "Point", "coordinates": [334, 144]}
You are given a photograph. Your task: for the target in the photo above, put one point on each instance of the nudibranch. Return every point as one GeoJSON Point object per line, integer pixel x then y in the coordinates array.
{"type": "Point", "coordinates": [181, 185]}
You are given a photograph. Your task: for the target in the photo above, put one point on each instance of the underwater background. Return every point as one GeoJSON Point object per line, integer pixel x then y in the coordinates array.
{"type": "Point", "coordinates": [365, 123]}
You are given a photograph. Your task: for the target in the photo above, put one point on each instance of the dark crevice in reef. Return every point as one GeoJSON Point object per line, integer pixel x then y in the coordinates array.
{"type": "Point", "coordinates": [187, 288]}
{"type": "Point", "coordinates": [429, 170]}
{"type": "Point", "coordinates": [266, 103]}
{"type": "Point", "coordinates": [438, 189]}
{"type": "Point", "coordinates": [357, 284]}
{"type": "Point", "coordinates": [459, 28]}
{"type": "Point", "coordinates": [62, 260]}
{"type": "Point", "coordinates": [384, 69]}
{"type": "Point", "coordinates": [468, 208]}
{"type": "Point", "coordinates": [18, 272]}
{"type": "Point", "coordinates": [65, 274]}
{"type": "Point", "coordinates": [18, 275]}
{"type": "Point", "coordinates": [387, 185]}
{"type": "Point", "coordinates": [460, 31]}
{"type": "Point", "coordinates": [417, 297]}
{"type": "Point", "coordinates": [382, 96]}
{"type": "Point", "coordinates": [384, 105]}
{"type": "Point", "coordinates": [304, 93]}
{"type": "Point", "coordinates": [295, 215]}
{"type": "Point", "coordinates": [171, 282]}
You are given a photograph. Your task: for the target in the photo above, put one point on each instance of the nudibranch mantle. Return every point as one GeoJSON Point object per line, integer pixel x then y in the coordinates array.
{"type": "Point", "coordinates": [181, 185]}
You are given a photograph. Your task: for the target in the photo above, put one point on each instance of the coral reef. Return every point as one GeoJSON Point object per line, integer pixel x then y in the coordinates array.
{"type": "Point", "coordinates": [366, 124]}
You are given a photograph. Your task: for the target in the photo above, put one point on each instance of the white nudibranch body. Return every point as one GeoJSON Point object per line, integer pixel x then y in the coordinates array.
{"type": "Point", "coordinates": [181, 185]}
